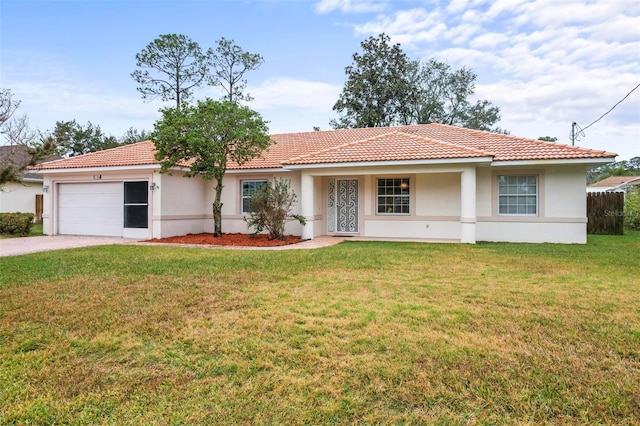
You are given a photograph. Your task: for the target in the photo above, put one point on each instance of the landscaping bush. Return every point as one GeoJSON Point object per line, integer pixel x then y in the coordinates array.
{"type": "Point", "coordinates": [271, 207]}
{"type": "Point", "coordinates": [632, 209]}
{"type": "Point", "coordinates": [18, 224]}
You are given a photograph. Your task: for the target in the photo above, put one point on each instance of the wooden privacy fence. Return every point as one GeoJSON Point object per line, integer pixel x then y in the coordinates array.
{"type": "Point", "coordinates": [39, 199]}
{"type": "Point", "coordinates": [605, 213]}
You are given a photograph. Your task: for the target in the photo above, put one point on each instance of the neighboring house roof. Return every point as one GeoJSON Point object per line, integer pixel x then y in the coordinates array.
{"type": "Point", "coordinates": [616, 182]}
{"type": "Point", "coordinates": [373, 144]}
{"type": "Point", "coordinates": [19, 156]}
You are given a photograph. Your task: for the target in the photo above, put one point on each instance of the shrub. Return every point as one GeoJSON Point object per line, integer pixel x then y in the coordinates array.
{"type": "Point", "coordinates": [16, 223]}
{"type": "Point", "coordinates": [632, 209]}
{"type": "Point", "coordinates": [270, 209]}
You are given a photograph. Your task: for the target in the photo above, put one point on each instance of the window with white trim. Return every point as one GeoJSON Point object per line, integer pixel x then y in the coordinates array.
{"type": "Point", "coordinates": [394, 196]}
{"type": "Point", "coordinates": [518, 195]}
{"type": "Point", "coordinates": [250, 187]}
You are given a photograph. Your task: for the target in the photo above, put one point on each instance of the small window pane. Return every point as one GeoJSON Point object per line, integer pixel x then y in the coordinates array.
{"type": "Point", "coordinates": [136, 216]}
{"type": "Point", "coordinates": [136, 192]}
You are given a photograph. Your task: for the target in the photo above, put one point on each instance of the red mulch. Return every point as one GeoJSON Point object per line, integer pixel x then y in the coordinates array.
{"type": "Point", "coordinates": [245, 240]}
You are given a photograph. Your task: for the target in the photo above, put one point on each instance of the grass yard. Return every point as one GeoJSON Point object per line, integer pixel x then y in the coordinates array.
{"type": "Point", "coordinates": [362, 332]}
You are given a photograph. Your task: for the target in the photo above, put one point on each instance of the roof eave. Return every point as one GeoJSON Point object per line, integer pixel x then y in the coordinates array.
{"type": "Point", "coordinates": [95, 169]}
{"type": "Point", "coordinates": [554, 162]}
{"type": "Point", "coordinates": [261, 170]}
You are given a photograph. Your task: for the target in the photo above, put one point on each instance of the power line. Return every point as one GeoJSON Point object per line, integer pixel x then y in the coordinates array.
{"type": "Point", "coordinates": [599, 118]}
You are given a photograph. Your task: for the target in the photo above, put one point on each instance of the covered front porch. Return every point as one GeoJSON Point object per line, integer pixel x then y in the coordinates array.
{"type": "Point", "coordinates": [404, 202]}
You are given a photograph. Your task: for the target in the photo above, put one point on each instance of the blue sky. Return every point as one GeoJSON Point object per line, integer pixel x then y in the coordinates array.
{"type": "Point", "coordinates": [545, 63]}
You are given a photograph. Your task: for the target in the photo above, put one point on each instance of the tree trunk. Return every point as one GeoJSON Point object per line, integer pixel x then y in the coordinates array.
{"type": "Point", "coordinates": [217, 209]}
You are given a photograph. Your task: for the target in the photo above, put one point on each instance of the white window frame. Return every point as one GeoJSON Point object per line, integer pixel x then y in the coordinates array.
{"type": "Point", "coordinates": [517, 191]}
{"type": "Point", "coordinates": [246, 197]}
{"type": "Point", "coordinates": [395, 196]}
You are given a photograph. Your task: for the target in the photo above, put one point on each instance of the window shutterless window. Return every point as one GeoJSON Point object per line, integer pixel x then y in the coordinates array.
{"type": "Point", "coordinates": [394, 196]}
{"type": "Point", "coordinates": [518, 195]}
{"type": "Point", "coordinates": [250, 187]}
{"type": "Point", "coordinates": [136, 202]}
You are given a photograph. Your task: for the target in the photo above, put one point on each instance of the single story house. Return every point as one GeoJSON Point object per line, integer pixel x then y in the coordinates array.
{"type": "Point", "coordinates": [428, 182]}
{"type": "Point", "coordinates": [19, 196]}
{"type": "Point", "coordinates": [615, 184]}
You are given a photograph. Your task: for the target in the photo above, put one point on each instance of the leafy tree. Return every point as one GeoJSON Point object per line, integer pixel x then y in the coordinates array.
{"type": "Point", "coordinates": [632, 209]}
{"type": "Point", "coordinates": [270, 209]}
{"type": "Point", "coordinates": [230, 64]}
{"type": "Point", "coordinates": [377, 86]}
{"type": "Point", "coordinates": [207, 136]}
{"type": "Point", "coordinates": [548, 138]}
{"type": "Point", "coordinates": [170, 67]}
{"type": "Point", "coordinates": [74, 139]}
{"type": "Point", "coordinates": [28, 148]}
{"type": "Point", "coordinates": [384, 88]}
{"type": "Point", "coordinates": [133, 136]}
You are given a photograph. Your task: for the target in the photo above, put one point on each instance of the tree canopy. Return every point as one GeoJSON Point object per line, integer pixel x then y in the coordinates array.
{"type": "Point", "coordinates": [74, 139]}
{"type": "Point", "coordinates": [629, 167]}
{"type": "Point", "coordinates": [208, 135]}
{"type": "Point", "coordinates": [230, 64]}
{"type": "Point", "coordinates": [173, 65]}
{"type": "Point", "coordinates": [30, 147]}
{"type": "Point", "coordinates": [170, 67]}
{"type": "Point", "coordinates": [384, 87]}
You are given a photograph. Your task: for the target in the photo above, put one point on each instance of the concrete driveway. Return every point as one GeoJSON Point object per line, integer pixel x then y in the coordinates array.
{"type": "Point", "coordinates": [15, 246]}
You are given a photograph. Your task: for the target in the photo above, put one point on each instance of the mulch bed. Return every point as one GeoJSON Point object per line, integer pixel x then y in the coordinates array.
{"type": "Point", "coordinates": [242, 240]}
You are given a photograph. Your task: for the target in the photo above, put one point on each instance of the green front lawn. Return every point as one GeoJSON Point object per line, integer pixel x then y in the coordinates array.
{"type": "Point", "coordinates": [362, 332]}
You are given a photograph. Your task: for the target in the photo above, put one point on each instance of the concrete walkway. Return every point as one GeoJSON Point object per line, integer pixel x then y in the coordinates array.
{"type": "Point", "coordinates": [16, 246]}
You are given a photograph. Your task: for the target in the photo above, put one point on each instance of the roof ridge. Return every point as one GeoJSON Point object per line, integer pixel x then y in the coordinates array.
{"type": "Point", "coordinates": [338, 147]}
{"type": "Point", "coordinates": [521, 138]}
{"type": "Point", "coordinates": [449, 144]}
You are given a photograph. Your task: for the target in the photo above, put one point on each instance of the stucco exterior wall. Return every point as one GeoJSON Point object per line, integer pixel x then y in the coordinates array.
{"type": "Point", "coordinates": [561, 214]}
{"type": "Point", "coordinates": [232, 216]}
{"type": "Point", "coordinates": [435, 208]}
{"type": "Point", "coordinates": [19, 197]}
{"type": "Point", "coordinates": [183, 208]}
{"type": "Point", "coordinates": [183, 205]}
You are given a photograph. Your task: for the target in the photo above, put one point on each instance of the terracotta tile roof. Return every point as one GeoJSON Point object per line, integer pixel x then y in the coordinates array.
{"type": "Point", "coordinates": [418, 142]}
{"type": "Point", "coordinates": [136, 154]}
{"type": "Point", "coordinates": [394, 146]}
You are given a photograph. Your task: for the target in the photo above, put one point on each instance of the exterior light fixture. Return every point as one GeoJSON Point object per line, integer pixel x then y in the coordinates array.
{"type": "Point", "coordinates": [45, 188]}
{"type": "Point", "coordinates": [153, 186]}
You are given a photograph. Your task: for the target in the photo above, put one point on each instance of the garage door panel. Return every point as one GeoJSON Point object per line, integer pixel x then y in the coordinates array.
{"type": "Point", "coordinates": [91, 209]}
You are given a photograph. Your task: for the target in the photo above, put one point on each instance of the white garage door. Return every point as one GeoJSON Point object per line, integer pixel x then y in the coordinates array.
{"type": "Point", "coordinates": [91, 209]}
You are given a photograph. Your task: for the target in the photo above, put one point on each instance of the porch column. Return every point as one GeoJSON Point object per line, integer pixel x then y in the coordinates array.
{"type": "Point", "coordinates": [307, 208]}
{"type": "Point", "coordinates": [468, 206]}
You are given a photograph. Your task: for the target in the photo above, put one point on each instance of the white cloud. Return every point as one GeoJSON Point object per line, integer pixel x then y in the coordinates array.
{"type": "Point", "coordinates": [284, 91]}
{"type": "Point", "coordinates": [349, 6]}
{"type": "Point", "coordinates": [544, 63]}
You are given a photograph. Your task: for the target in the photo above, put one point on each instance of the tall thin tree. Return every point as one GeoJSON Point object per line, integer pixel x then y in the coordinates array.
{"type": "Point", "coordinates": [170, 67]}
{"type": "Point", "coordinates": [230, 64]}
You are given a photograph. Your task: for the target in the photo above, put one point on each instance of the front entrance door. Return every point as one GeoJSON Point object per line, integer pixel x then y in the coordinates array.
{"type": "Point", "coordinates": [342, 204]}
